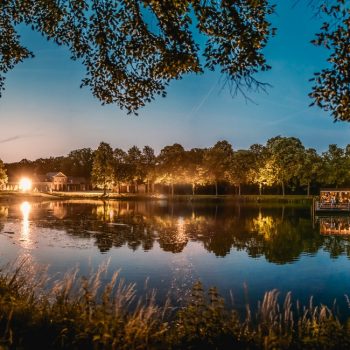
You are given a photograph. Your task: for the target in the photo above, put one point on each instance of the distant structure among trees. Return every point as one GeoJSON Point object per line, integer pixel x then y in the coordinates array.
{"type": "Point", "coordinates": [282, 165]}
{"type": "Point", "coordinates": [53, 181]}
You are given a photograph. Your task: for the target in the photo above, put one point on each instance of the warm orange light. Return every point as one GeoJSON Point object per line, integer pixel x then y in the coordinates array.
{"type": "Point", "coordinates": [25, 209]}
{"type": "Point", "coordinates": [25, 239]}
{"type": "Point", "coordinates": [25, 184]}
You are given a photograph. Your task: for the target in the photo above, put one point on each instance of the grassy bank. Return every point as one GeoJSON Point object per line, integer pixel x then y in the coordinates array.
{"type": "Point", "coordinates": [9, 196]}
{"type": "Point", "coordinates": [76, 313]}
{"type": "Point", "coordinates": [190, 198]}
{"type": "Point", "coordinates": [37, 196]}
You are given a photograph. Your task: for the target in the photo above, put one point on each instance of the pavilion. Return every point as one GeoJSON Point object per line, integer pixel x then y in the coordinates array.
{"type": "Point", "coordinates": [334, 199]}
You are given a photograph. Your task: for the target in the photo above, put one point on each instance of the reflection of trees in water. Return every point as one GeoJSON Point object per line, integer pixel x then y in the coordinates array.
{"type": "Point", "coordinates": [4, 211]}
{"type": "Point", "coordinates": [172, 233]}
{"type": "Point", "coordinates": [336, 245]}
{"type": "Point", "coordinates": [280, 235]}
{"type": "Point", "coordinates": [335, 230]}
{"type": "Point", "coordinates": [289, 238]}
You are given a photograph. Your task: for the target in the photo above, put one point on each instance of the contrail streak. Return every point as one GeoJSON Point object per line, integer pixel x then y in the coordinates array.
{"type": "Point", "coordinates": [197, 107]}
{"type": "Point", "coordinates": [17, 137]}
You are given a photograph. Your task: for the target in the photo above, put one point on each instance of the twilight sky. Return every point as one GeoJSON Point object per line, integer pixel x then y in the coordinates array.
{"type": "Point", "coordinates": [43, 112]}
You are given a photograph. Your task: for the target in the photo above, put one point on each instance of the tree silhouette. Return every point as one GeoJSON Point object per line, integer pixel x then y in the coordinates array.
{"type": "Point", "coordinates": [103, 167]}
{"type": "Point", "coordinates": [132, 49]}
{"type": "Point", "coordinates": [3, 175]}
{"type": "Point", "coordinates": [331, 90]}
{"type": "Point", "coordinates": [217, 162]}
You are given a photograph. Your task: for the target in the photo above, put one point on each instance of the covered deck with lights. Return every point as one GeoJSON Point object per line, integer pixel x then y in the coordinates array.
{"type": "Point", "coordinates": [333, 199]}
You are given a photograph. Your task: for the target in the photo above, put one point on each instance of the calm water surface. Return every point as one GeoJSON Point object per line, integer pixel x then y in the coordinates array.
{"type": "Point", "coordinates": [174, 245]}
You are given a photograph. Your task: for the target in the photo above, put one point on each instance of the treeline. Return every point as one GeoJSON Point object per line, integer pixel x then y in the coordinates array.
{"type": "Point", "coordinates": [283, 163]}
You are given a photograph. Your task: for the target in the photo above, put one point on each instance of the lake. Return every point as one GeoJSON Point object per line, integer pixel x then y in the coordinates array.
{"type": "Point", "coordinates": [172, 245]}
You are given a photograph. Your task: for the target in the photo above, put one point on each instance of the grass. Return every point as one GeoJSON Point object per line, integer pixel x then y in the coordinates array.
{"type": "Point", "coordinates": [297, 199]}
{"type": "Point", "coordinates": [78, 313]}
{"type": "Point", "coordinates": [35, 196]}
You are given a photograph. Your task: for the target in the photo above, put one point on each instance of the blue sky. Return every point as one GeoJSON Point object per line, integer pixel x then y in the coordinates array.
{"type": "Point", "coordinates": [43, 112]}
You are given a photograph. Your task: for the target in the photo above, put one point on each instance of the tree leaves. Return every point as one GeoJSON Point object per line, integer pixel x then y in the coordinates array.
{"type": "Point", "coordinates": [331, 90]}
{"type": "Point", "coordinates": [3, 175]}
{"type": "Point", "coordinates": [132, 49]}
{"type": "Point", "coordinates": [103, 167]}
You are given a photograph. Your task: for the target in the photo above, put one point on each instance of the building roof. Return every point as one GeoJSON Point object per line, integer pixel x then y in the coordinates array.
{"type": "Point", "coordinates": [55, 174]}
{"type": "Point", "coordinates": [345, 189]}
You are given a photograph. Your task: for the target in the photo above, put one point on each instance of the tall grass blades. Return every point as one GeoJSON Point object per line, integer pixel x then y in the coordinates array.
{"type": "Point", "coordinates": [80, 313]}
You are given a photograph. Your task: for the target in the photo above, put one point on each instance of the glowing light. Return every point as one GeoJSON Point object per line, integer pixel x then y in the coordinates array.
{"type": "Point", "coordinates": [25, 232]}
{"type": "Point", "coordinates": [25, 209]}
{"type": "Point", "coordinates": [181, 232]}
{"type": "Point", "coordinates": [25, 184]}
{"type": "Point", "coordinates": [111, 215]}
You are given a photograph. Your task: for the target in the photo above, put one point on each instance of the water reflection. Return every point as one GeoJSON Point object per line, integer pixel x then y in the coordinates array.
{"type": "Point", "coordinates": [3, 216]}
{"type": "Point", "coordinates": [25, 238]}
{"type": "Point", "coordinates": [336, 232]}
{"type": "Point", "coordinates": [59, 209]}
{"type": "Point", "coordinates": [279, 234]}
{"type": "Point", "coordinates": [339, 225]}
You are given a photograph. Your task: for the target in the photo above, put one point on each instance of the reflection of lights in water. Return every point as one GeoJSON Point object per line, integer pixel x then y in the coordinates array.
{"type": "Point", "coordinates": [334, 226]}
{"type": "Point", "coordinates": [111, 215]}
{"type": "Point", "coordinates": [181, 234]}
{"type": "Point", "coordinates": [25, 209]}
{"type": "Point", "coordinates": [25, 232]}
{"type": "Point", "coordinates": [25, 184]}
{"type": "Point", "coordinates": [264, 225]}
{"type": "Point", "coordinates": [4, 211]}
{"type": "Point", "coordinates": [182, 271]}
{"type": "Point", "coordinates": [105, 212]}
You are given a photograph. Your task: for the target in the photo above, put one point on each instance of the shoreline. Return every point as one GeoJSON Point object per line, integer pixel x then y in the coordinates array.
{"type": "Point", "coordinates": [38, 196]}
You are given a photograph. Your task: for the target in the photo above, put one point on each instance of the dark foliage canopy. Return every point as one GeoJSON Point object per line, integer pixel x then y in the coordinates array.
{"type": "Point", "coordinates": [331, 90]}
{"type": "Point", "coordinates": [132, 49]}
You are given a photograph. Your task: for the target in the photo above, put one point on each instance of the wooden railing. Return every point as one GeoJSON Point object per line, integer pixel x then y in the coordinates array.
{"type": "Point", "coordinates": [329, 206]}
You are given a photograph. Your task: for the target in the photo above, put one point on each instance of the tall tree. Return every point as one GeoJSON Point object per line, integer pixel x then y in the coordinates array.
{"type": "Point", "coordinates": [239, 171]}
{"type": "Point", "coordinates": [336, 166]}
{"type": "Point", "coordinates": [46, 165]}
{"type": "Point", "coordinates": [286, 156]}
{"type": "Point", "coordinates": [194, 169]}
{"type": "Point", "coordinates": [311, 169]}
{"type": "Point", "coordinates": [134, 160]}
{"type": "Point", "coordinates": [149, 166]}
{"type": "Point", "coordinates": [103, 167]}
{"type": "Point", "coordinates": [121, 168]}
{"type": "Point", "coordinates": [170, 169]}
{"type": "Point", "coordinates": [23, 167]}
{"type": "Point", "coordinates": [261, 172]}
{"type": "Point", "coordinates": [80, 162]}
{"type": "Point", "coordinates": [3, 175]}
{"type": "Point", "coordinates": [217, 162]}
